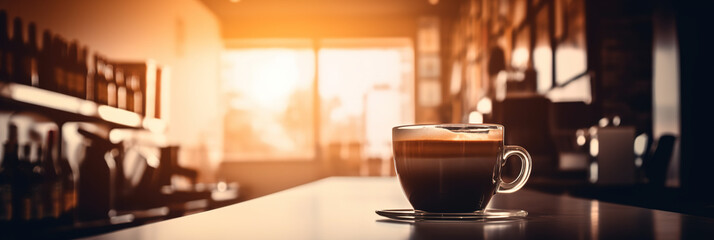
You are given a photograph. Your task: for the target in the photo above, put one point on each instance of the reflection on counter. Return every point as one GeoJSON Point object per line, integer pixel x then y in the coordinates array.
{"type": "Point", "coordinates": [602, 224]}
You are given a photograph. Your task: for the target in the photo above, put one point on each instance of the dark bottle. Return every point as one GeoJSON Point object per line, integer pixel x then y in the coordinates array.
{"type": "Point", "coordinates": [52, 184]}
{"type": "Point", "coordinates": [58, 59]}
{"type": "Point", "coordinates": [96, 187]}
{"type": "Point", "coordinates": [69, 189]}
{"type": "Point", "coordinates": [38, 208]}
{"type": "Point", "coordinates": [120, 82]}
{"type": "Point", "coordinates": [130, 94]}
{"type": "Point", "coordinates": [8, 174]}
{"type": "Point", "coordinates": [17, 43]}
{"type": "Point", "coordinates": [64, 65]}
{"type": "Point", "coordinates": [111, 84]}
{"type": "Point", "coordinates": [5, 53]}
{"type": "Point", "coordinates": [83, 72]}
{"type": "Point", "coordinates": [37, 186]}
{"type": "Point", "coordinates": [31, 56]}
{"type": "Point", "coordinates": [45, 68]}
{"type": "Point", "coordinates": [161, 75]}
{"type": "Point", "coordinates": [138, 97]}
{"type": "Point", "coordinates": [71, 71]}
{"type": "Point", "coordinates": [100, 82]}
{"type": "Point", "coordinates": [26, 191]}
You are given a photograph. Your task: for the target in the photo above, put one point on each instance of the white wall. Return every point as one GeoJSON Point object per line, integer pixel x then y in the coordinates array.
{"type": "Point", "coordinates": [182, 34]}
{"type": "Point", "coordinates": [666, 94]}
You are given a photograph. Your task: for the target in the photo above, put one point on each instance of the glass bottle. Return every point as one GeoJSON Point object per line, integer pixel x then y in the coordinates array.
{"type": "Point", "coordinates": [69, 188]}
{"type": "Point", "coordinates": [26, 188]}
{"type": "Point", "coordinates": [96, 187]}
{"type": "Point", "coordinates": [121, 88]}
{"type": "Point", "coordinates": [8, 175]}
{"type": "Point", "coordinates": [130, 94]}
{"type": "Point", "coordinates": [45, 60]}
{"type": "Point", "coordinates": [17, 45]}
{"type": "Point", "coordinates": [30, 58]}
{"type": "Point", "coordinates": [100, 83]}
{"type": "Point", "coordinates": [58, 58]}
{"type": "Point", "coordinates": [138, 98]}
{"type": "Point", "coordinates": [52, 185]}
{"type": "Point", "coordinates": [5, 53]}
{"type": "Point", "coordinates": [83, 73]}
{"type": "Point", "coordinates": [111, 84]}
{"type": "Point", "coordinates": [71, 71]}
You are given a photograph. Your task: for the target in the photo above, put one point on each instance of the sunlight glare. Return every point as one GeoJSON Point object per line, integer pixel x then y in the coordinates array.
{"type": "Point", "coordinates": [274, 80]}
{"type": "Point", "coordinates": [520, 58]}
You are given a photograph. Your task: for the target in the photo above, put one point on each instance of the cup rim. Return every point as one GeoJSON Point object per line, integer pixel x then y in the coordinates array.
{"type": "Point", "coordinates": [431, 125]}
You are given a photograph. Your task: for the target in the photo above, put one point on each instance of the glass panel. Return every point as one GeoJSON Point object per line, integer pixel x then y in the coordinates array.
{"type": "Point", "coordinates": [364, 92]}
{"type": "Point", "coordinates": [571, 57]}
{"type": "Point", "coordinates": [543, 54]}
{"type": "Point", "coordinates": [521, 48]}
{"type": "Point", "coordinates": [268, 95]}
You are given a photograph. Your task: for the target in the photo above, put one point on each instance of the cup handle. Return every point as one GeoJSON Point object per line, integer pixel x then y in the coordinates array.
{"type": "Point", "coordinates": [526, 162]}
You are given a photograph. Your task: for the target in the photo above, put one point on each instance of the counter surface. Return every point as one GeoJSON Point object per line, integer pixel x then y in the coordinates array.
{"type": "Point", "coordinates": [343, 208]}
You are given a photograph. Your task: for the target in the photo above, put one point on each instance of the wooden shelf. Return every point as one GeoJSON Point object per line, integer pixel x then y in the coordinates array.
{"type": "Point", "coordinates": [69, 108]}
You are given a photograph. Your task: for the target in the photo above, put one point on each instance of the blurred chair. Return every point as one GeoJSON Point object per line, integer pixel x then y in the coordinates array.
{"type": "Point", "coordinates": [526, 119]}
{"type": "Point", "coordinates": [656, 163]}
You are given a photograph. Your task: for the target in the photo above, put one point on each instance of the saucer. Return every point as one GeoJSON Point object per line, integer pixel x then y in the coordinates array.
{"type": "Point", "coordinates": [487, 214]}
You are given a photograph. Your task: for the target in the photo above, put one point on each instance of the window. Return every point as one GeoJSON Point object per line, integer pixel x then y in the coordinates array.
{"type": "Point", "coordinates": [364, 93]}
{"type": "Point", "coordinates": [364, 88]}
{"type": "Point", "coordinates": [268, 94]}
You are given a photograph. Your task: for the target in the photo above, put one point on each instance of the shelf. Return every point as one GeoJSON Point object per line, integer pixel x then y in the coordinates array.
{"type": "Point", "coordinates": [76, 109]}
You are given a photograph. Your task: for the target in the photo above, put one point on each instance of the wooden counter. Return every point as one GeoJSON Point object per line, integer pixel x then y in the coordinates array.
{"type": "Point", "coordinates": [343, 208]}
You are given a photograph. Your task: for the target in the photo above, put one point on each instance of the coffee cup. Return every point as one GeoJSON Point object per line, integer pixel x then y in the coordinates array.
{"type": "Point", "coordinates": [454, 168]}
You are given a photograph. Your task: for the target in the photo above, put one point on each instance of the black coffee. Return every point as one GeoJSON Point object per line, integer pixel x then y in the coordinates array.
{"type": "Point", "coordinates": [448, 175]}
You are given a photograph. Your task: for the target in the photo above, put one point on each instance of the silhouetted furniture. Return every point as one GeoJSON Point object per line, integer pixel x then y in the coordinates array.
{"type": "Point", "coordinates": [565, 119]}
{"type": "Point", "coordinates": [655, 165]}
{"type": "Point", "coordinates": [525, 118]}
{"type": "Point", "coordinates": [614, 155]}
{"type": "Point", "coordinates": [569, 116]}
{"type": "Point", "coordinates": [529, 83]}
{"type": "Point", "coordinates": [169, 167]}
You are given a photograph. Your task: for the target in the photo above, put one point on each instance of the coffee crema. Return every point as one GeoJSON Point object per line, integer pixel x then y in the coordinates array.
{"type": "Point", "coordinates": [448, 175]}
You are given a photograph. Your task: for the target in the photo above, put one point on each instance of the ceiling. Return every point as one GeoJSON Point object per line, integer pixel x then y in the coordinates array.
{"type": "Point", "coordinates": [323, 18]}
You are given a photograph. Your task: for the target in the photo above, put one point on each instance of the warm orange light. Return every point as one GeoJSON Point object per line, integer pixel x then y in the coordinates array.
{"type": "Point", "coordinates": [570, 61]}
{"type": "Point", "coordinates": [595, 218]}
{"type": "Point", "coordinates": [154, 125]}
{"type": "Point", "coordinates": [44, 98]}
{"type": "Point", "coordinates": [520, 58]}
{"type": "Point", "coordinates": [268, 93]}
{"type": "Point", "coordinates": [267, 80]}
{"type": "Point", "coordinates": [363, 90]}
{"type": "Point", "coordinates": [484, 105]}
{"type": "Point", "coordinates": [543, 62]}
{"type": "Point", "coordinates": [119, 116]}
{"type": "Point", "coordinates": [640, 145]}
{"type": "Point", "coordinates": [347, 74]}
{"type": "Point", "coordinates": [475, 117]}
